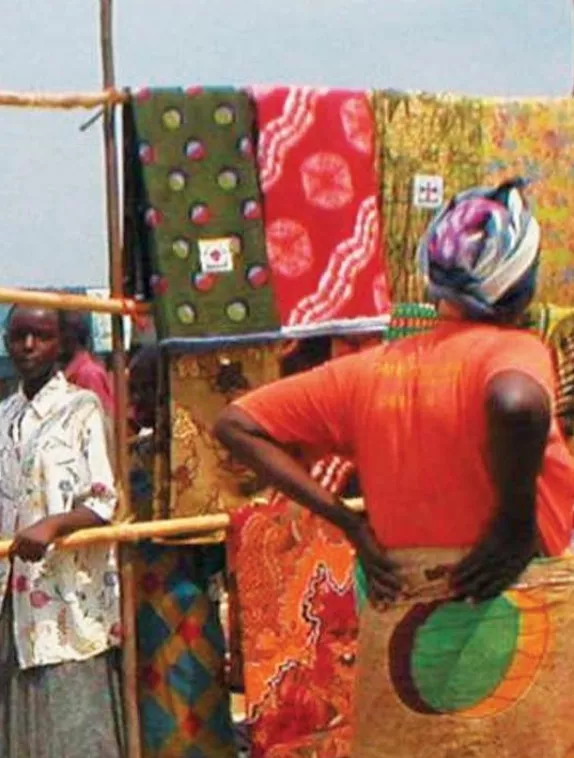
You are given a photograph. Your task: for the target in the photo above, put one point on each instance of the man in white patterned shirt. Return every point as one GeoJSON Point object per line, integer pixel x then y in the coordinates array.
{"type": "Point", "coordinates": [59, 618]}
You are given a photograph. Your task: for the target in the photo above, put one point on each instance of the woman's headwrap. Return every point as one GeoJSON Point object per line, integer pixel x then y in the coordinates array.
{"type": "Point", "coordinates": [481, 252]}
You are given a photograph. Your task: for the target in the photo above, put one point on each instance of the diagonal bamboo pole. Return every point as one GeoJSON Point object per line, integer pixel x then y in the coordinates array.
{"type": "Point", "coordinates": [130, 679]}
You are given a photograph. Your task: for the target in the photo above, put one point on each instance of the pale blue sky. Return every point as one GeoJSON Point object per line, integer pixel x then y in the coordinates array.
{"type": "Point", "coordinates": [51, 195]}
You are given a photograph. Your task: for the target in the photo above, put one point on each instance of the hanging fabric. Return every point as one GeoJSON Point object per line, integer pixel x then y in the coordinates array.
{"type": "Point", "coordinates": [316, 158]}
{"type": "Point", "coordinates": [194, 474]}
{"type": "Point", "coordinates": [296, 611]}
{"type": "Point", "coordinates": [535, 138]}
{"type": "Point", "coordinates": [194, 229]}
{"type": "Point", "coordinates": [430, 148]}
{"type": "Point", "coordinates": [183, 699]}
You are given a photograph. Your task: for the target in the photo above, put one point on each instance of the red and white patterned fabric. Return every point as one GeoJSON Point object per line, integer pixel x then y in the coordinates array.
{"type": "Point", "coordinates": [316, 158]}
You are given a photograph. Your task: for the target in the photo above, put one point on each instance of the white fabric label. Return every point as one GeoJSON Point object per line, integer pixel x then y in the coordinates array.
{"type": "Point", "coordinates": [428, 191]}
{"type": "Point", "coordinates": [216, 255]}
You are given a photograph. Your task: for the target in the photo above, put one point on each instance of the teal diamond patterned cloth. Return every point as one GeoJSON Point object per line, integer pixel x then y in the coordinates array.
{"type": "Point", "coordinates": [184, 703]}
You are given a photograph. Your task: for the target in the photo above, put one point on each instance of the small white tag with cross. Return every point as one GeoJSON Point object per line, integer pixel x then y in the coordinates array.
{"type": "Point", "coordinates": [428, 191]}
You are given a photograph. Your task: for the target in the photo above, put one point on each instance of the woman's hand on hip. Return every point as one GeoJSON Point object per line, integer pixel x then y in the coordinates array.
{"type": "Point", "coordinates": [383, 582]}
{"type": "Point", "coordinates": [495, 563]}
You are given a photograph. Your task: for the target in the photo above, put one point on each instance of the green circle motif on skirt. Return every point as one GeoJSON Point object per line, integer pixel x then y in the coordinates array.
{"type": "Point", "coordinates": [446, 657]}
{"type": "Point", "coordinates": [461, 653]}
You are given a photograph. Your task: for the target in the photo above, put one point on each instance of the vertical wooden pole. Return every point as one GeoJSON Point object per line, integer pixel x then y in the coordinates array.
{"type": "Point", "coordinates": [120, 383]}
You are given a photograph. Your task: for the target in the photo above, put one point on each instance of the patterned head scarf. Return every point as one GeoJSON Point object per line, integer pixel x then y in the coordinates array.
{"type": "Point", "coordinates": [481, 252]}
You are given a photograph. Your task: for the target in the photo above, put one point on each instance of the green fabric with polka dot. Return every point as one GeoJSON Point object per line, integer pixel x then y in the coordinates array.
{"type": "Point", "coordinates": [200, 212]}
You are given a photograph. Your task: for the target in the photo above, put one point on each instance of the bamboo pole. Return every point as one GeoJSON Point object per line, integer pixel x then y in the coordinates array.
{"type": "Point", "coordinates": [67, 301]}
{"type": "Point", "coordinates": [135, 532]}
{"type": "Point", "coordinates": [60, 100]}
{"type": "Point", "coordinates": [130, 679]}
{"type": "Point", "coordinates": [145, 530]}
{"type": "Point", "coordinates": [111, 96]}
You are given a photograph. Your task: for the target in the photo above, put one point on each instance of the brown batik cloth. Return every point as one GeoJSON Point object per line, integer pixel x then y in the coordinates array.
{"type": "Point", "coordinates": [196, 475]}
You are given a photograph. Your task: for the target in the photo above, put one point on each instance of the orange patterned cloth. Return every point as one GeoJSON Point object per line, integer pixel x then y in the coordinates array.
{"type": "Point", "coordinates": [294, 575]}
{"type": "Point", "coordinates": [332, 743]}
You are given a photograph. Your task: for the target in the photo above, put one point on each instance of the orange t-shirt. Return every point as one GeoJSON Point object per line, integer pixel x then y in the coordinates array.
{"type": "Point", "coordinates": [412, 416]}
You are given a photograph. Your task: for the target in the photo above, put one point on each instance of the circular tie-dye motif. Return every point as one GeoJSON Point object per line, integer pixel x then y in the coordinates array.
{"type": "Point", "coordinates": [195, 150]}
{"type": "Point", "coordinates": [228, 179]}
{"type": "Point", "coordinates": [327, 181]}
{"type": "Point", "coordinates": [200, 214]}
{"type": "Point", "coordinates": [469, 661]}
{"type": "Point", "coordinates": [159, 285]}
{"type": "Point", "coordinates": [257, 276]}
{"type": "Point", "coordinates": [143, 95]}
{"type": "Point", "coordinates": [357, 123]}
{"type": "Point", "coordinates": [237, 311]}
{"type": "Point", "coordinates": [153, 217]}
{"type": "Point", "coordinates": [180, 248]}
{"type": "Point", "coordinates": [172, 119]}
{"type": "Point", "coordinates": [186, 313]}
{"type": "Point", "coordinates": [251, 210]}
{"type": "Point", "coordinates": [289, 248]}
{"type": "Point", "coordinates": [245, 146]}
{"type": "Point", "coordinates": [203, 282]}
{"type": "Point", "coordinates": [146, 153]}
{"type": "Point", "coordinates": [224, 115]}
{"type": "Point", "coordinates": [176, 181]}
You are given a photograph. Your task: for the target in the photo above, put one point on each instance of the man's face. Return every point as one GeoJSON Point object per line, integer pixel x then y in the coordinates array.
{"type": "Point", "coordinates": [33, 341]}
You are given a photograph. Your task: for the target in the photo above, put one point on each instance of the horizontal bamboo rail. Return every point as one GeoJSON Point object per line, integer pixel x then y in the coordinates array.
{"type": "Point", "coordinates": [62, 101]}
{"type": "Point", "coordinates": [145, 530]}
{"type": "Point", "coordinates": [69, 302]}
{"type": "Point", "coordinates": [135, 532]}
{"type": "Point", "coordinates": [90, 100]}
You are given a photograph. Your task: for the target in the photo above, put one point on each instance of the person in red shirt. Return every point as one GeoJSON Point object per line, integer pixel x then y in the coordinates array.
{"type": "Point", "coordinates": [453, 432]}
{"type": "Point", "coordinates": [80, 366]}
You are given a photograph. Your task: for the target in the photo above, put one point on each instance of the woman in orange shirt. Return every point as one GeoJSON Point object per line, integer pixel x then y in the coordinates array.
{"type": "Point", "coordinates": [451, 429]}
{"type": "Point", "coordinates": [453, 432]}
